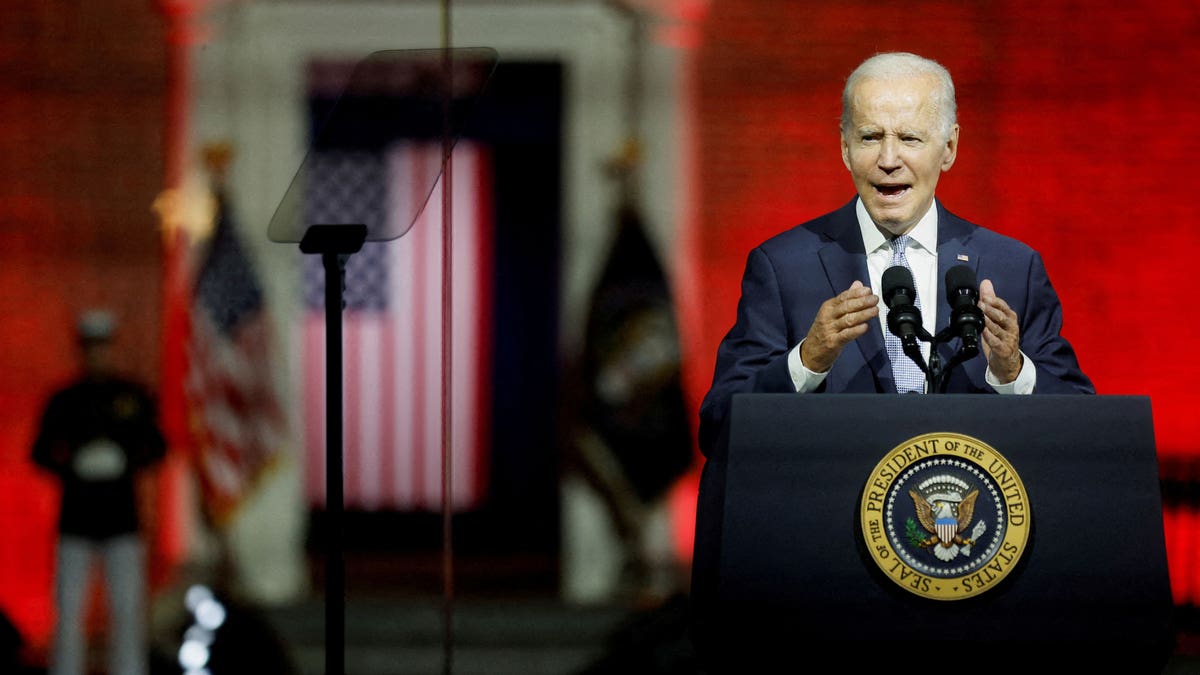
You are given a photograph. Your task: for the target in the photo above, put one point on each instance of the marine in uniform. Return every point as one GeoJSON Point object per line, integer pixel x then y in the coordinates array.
{"type": "Point", "coordinates": [98, 436]}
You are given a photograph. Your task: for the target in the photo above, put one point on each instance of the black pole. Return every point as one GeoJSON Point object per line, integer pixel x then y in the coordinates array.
{"type": "Point", "coordinates": [335, 244]}
{"type": "Point", "coordinates": [335, 573]}
{"type": "Point", "coordinates": [967, 350]}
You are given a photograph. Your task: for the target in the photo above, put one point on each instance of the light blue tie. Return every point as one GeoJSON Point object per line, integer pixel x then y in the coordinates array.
{"type": "Point", "coordinates": [905, 371]}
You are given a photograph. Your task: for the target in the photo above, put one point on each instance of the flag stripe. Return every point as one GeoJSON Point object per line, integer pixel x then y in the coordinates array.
{"type": "Point", "coordinates": [465, 337]}
{"type": "Point", "coordinates": [406, 362]}
{"type": "Point", "coordinates": [421, 414]}
{"type": "Point", "coordinates": [431, 343]}
{"type": "Point", "coordinates": [387, 406]}
{"type": "Point", "coordinates": [315, 403]}
{"type": "Point", "coordinates": [403, 317]}
{"type": "Point", "coordinates": [351, 406]}
{"type": "Point", "coordinates": [373, 411]}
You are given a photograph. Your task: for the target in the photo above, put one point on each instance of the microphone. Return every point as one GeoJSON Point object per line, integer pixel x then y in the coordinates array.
{"type": "Point", "coordinates": [966, 319]}
{"type": "Point", "coordinates": [899, 294]}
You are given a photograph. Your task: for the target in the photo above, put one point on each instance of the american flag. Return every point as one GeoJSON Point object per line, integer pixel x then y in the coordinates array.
{"type": "Point", "coordinates": [392, 329]}
{"type": "Point", "coordinates": [234, 412]}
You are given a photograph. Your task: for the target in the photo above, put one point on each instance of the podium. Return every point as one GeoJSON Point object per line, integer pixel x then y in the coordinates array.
{"type": "Point", "coordinates": [782, 571]}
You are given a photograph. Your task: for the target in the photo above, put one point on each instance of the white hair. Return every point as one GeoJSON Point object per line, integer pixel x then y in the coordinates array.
{"type": "Point", "coordinates": [903, 64]}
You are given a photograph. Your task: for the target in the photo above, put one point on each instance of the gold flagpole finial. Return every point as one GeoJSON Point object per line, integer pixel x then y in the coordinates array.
{"type": "Point", "coordinates": [217, 155]}
{"type": "Point", "coordinates": [191, 208]}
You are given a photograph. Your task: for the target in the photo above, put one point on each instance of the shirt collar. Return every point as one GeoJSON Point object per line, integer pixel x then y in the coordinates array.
{"type": "Point", "coordinates": [924, 234]}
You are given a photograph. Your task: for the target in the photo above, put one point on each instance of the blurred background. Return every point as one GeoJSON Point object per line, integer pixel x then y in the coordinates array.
{"type": "Point", "coordinates": [619, 161]}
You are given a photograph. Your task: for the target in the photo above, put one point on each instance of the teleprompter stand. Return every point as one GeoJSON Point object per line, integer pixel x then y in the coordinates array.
{"type": "Point", "coordinates": [335, 244]}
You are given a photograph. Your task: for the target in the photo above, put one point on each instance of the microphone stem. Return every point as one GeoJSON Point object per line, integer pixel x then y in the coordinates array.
{"type": "Point", "coordinates": [935, 370]}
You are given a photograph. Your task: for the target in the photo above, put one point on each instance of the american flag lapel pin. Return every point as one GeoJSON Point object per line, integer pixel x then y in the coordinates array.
{"type": "Point", "coordinates": [963, 257]}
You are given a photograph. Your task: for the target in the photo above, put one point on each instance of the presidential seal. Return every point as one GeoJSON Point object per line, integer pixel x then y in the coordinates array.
{"type": "Point", "coordinates": [945, 516]}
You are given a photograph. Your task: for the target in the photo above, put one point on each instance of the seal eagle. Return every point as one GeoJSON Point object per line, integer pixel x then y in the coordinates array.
{"type": "Point", "coordinates": [945, 520]}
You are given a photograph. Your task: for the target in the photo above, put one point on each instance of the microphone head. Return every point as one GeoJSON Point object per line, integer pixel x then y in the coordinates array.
{"type": "Point", "coordinates": [960, 281]}
{"type": "Point", "coordinates": [898, 287]}
{"type": "Point", "coordinates": [966, 319]}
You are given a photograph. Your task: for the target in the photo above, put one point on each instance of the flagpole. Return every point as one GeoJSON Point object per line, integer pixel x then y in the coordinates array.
{"type": "Point", "coordinates": [171, 533]}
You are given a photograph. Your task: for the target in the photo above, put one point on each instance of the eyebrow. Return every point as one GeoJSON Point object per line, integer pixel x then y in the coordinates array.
{"type": "Point", "coordinates": [909, 131]}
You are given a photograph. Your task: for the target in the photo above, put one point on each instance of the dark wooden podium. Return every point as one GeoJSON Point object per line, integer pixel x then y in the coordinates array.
{"type": "Point", "coordinates": [781, 573]}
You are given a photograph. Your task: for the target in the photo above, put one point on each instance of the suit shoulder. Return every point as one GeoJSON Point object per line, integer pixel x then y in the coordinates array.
{"type": "Point", "coordinates": [990, 240]}
{"type": "Point", "coordinates": [810, 234]}
{"type": "Point", "coordinates": [1001, 243]}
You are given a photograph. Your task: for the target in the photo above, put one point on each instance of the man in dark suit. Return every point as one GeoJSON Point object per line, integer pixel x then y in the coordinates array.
{"type": "Point", "coordinates": [809, 319]}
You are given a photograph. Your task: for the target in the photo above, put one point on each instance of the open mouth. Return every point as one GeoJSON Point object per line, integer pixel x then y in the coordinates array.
{"type": "Point", "coordinates": [892, 191]}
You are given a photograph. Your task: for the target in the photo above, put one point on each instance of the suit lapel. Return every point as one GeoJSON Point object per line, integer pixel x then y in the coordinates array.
{"type": "Point", "coordinates": [845, 261]}
{"type": "Point", "coordinates": [955, 247]}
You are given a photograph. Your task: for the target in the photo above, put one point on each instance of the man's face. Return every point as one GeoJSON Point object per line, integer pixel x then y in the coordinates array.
{"type": "Point", "coordinates": [895, 150]}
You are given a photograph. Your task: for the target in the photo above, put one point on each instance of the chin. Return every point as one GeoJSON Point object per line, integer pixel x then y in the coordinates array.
{"type": "Point", "coordinates": [893, 223]}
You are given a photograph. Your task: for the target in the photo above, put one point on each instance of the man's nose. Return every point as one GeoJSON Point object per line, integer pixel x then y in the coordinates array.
{"type": "Point", "coordinates": [889, 154]}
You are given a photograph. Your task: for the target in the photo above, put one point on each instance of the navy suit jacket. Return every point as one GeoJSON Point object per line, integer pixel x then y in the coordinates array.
{"type": "Point", "coordinates": [790, 275]}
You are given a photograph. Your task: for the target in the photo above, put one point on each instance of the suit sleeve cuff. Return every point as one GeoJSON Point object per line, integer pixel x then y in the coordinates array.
{"type": "Point", "coordinates": [1024, 383]}
{"type": "Point", "coordinates": [803, 379]}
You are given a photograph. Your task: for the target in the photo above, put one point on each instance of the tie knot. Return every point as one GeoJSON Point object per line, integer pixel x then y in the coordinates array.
{"type": "Point", "coordinates": [899, 246]}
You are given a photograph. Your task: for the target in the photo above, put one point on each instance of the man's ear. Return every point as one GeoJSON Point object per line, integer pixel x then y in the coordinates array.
{"type": "Point", "coordinates": [950, 153]}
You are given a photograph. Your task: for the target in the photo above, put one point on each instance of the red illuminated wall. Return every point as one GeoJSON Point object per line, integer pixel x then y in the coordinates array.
{"type": "Point", "coordinates": [1079, 132]}
{"type": "Point", "coordinates": [81, 160]}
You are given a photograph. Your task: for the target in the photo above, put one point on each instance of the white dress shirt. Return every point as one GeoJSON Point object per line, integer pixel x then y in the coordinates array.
{"type": "Point", "coordinates": [922, 259]}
